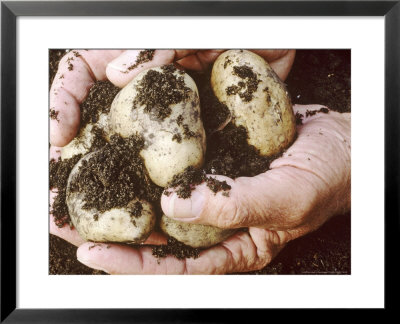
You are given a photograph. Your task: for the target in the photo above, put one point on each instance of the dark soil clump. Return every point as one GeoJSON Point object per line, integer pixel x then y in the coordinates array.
{"type": "Point", "coordinates": [137, 209]}
{"type": "Point", "coordinates": [313, 112]}
{"type": "Point", "coordinates": [175, 248]}
{"type": "Point", "coordinates": [99, 101]}
{"type": "Point", "coordinates": [114, 176]}
{"type": "Point", "coordinates": [229, 154]}
{"type": "Point", "coordinates": [158, 90]}
{"type": "Point", "coordinates": [187, 132]}
{"type": "Point", "coordinates": [299, 118]}
{"type": "Point", "coordinates": [190, 178]}
{"type": "Point", "coordinates": [54, 58]}
{"type": "Point", "coordinates": [54, 114]}
{"type": "Point", "coordinates": [58, 178]}
{"type": "Point", "coordinates": [213, 112]}
{"type": "Point", "coordinates": [244, 89]}
{"type": "Point", "coordinates": [143, 57]}
{"type": "Point", "coordinates": [99, 139]}
{"type": "Point", "coordinates": [177, 137]}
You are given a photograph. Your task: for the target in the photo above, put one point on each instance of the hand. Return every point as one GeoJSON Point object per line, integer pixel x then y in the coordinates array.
{"type": "Point", "coordinates": [304, 188]}
{"type": "Point", "coordinates": [78, 71]}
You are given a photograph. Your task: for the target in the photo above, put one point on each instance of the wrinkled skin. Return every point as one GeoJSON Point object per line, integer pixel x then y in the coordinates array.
{"type": "Point", "coordinates": [304, 188]}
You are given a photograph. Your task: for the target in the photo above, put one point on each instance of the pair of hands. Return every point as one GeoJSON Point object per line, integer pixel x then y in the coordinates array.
{"type": "Point", "coordinates": [304, 188]}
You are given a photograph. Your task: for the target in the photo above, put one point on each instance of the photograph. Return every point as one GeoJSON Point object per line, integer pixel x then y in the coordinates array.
{"type": "Point", "coordinates": [199, 161]}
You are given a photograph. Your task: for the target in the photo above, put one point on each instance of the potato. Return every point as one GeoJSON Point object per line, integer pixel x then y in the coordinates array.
{"type": "Point", "coordinates": [256, 98]}
{"type": "Point", "coordinates": [114, 225]}
{"type": "Point", "coordinates": [194, 235]}
{"type": "Point", "coordinates": [82, 143]}
{"type": "Point", "coordinates": [162, 104]}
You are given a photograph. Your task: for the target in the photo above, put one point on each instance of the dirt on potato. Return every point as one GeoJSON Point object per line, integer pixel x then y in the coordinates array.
{"type": "Point", "coordinates": [98, 101]}
{"type": "Point", "coordinates": [115, 175]}
{"type": "Point", "coordinates": [157, 91]}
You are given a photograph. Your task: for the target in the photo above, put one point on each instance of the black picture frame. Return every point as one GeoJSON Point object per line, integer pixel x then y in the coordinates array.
{"type": "Point", "coordinates": [390, 10]}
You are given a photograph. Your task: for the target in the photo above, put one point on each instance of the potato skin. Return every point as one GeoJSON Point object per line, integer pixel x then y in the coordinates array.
{"type": "Point", "coordinates": [83, 141]}
{"type": "Point", "coordinates": [163, 154]}
{"type": "Point", "coordinates": [114, 225]}
{"type": "Point", "coordinates": [267, 112]}
{"type": "Point", "coordinates": [194, 235]}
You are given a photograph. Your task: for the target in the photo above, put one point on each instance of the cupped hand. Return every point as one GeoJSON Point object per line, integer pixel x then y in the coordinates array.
{"type": "Point", "coordinates": [79, 69]}
{"type": "Point", "coordinates": [303, 189]}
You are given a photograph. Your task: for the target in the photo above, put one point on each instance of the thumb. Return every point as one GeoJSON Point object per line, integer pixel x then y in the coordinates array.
{"type": "Point", "coordinates": [269, 200]}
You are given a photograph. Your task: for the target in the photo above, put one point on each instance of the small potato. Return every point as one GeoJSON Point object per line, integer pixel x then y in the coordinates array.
{"type": "Point", "coordinates": [114, 225]}
{"type": "Point", "coordinates": [256, 98]}
{"type": "Point", "coordinates": [82, 143]}
{"type": "Point", "coordinates": [194, 235]}
{"type": "Point", "coordinates": [162, 105]}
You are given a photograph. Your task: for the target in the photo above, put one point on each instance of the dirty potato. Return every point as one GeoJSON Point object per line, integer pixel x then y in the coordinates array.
{"type": "Point", "coordinates": [256, 98]}
{"type": "Point", "coordinates": [128, 224]}
{"type": "Point", "coordinates": [194, 235]}
{"type": "Point", "coordinates": [162, 105]}
{"type": "Point", "coordinates": [86, 138]}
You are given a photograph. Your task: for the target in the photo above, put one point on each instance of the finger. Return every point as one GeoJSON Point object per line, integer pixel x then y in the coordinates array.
{"type": "Point", "coordinates": [122, 259]}
{"type": "Point", "coordinates": [54, 152]}
{"type": "Point", "coordinates": [283, 65]}
{"type": "Point", "coordinates": [281, 61]}
{"type": "Point", "coordinates": [200, 60]}
{"type": "Point", "coordinates": [65, 232]}
{"type": "Point", "coordinates": [76, 73]}
{"type": "Point", "coordinates": [242, 252]}
{"type": "Point", "coordinates": [271, 55]}
{"type": "Point", "coordinates": [323, 149]}
{"type": "Point", "coordinates": [130, 63]}
{"type": "Point", "coordinates": [318, 163]}
{"type": "Point", "coordinates": [267, 200]}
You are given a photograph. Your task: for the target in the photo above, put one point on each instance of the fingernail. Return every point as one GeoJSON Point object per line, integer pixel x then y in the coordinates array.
{"type": "Point", "coordinates": [124, 61]}
{"type": "Point", "coordinates": [183, 209]}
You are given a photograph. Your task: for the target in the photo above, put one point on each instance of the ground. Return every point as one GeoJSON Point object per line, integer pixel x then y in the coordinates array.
{"type": "Point", "coordinates": [317, 77]}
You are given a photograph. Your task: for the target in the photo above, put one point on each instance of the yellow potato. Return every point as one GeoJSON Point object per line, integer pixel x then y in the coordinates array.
{"type": "Point", "coordinates": [194, 235]}
{"type": "Point", "coordinates": [162, 105]}
{"type": "Point", "coordinates": [256, 98]}
{"type": "Point", "coordinates": [83, 141]}
{"type": "Point", "coordinates": [114, 225]}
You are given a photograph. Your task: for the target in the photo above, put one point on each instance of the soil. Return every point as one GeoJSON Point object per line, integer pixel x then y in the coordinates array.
{"type": "Point", "coordinates": [98, 101]}
{"type": "Point", "coordinates": [186, 181]}
{"type": "Point", "coordinates": [143, 57]}
{"type": "Point", "coordinates": [158, 90]}
{"type": "Point", "coordinates": [246, 88]}
{"type": "Point", "coordinates": [324, 251]}
{"type": "Point", "coordinates": [115, 175]}
{"type": "Point", "coordinates": [176, 248]}
{"type": "Point", "coordinates": [58, 177]}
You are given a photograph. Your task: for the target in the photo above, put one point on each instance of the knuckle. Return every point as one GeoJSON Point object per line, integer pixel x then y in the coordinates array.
{"type": "Point", "coordinates": [230, 215]}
